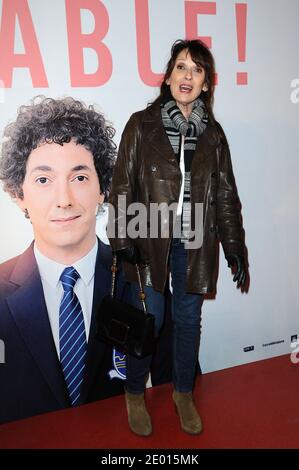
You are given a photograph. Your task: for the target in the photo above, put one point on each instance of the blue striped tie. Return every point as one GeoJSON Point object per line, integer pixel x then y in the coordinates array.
{"type": "Point", "coordinates": [72, 337]}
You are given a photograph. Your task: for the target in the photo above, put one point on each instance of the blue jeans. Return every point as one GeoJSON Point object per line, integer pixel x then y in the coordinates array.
{"type": "Point", "coordinates": [186, 316]}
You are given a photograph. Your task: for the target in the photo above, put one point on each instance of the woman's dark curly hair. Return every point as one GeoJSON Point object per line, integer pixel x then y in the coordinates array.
{"type": "Point", "coordinates": [48, 120]}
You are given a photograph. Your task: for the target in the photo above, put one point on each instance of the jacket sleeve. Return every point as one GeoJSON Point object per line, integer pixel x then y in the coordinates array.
{"type": "Point", "coordinates": [123, 185]}
{"type": "Point", "coordinates": [229, 219]}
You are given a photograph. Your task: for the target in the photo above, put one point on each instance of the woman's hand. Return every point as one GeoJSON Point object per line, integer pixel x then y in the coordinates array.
{"type": "Point", "coordinates": [241, 272]}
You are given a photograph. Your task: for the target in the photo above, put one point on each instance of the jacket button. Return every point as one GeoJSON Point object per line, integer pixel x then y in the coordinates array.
{"type": "Point", "coordinates": [153, 168]}
{"type": "Point", "coordinates": [213, 174]}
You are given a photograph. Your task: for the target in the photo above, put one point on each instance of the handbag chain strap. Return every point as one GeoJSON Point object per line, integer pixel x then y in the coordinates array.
{"type": "Point", "coordinates": [114, 270]}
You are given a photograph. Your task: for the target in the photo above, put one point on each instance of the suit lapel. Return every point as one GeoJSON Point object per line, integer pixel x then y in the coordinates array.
{"type": "Point", "coordinates": [95, 348]}
{"type": "Point", "coordinates": [154, 134]}
{"type": "Point", "coordinates": [28, 308]}
{"type": "Point", "coordinates": [206, 143]}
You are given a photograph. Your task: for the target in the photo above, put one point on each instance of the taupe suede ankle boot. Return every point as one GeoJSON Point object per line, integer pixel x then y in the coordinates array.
{"type": "Point", "coordinates": [190, 419]}
{"type": "Point", "coordinates": [138, 417]}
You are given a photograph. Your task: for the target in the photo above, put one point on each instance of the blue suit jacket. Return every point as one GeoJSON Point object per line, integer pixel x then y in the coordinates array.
{"type": "Point", "coordinates": [31, 379]}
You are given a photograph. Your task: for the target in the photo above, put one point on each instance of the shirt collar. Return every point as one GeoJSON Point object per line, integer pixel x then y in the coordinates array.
{"type": "Point", "coordinates": [50, 271]}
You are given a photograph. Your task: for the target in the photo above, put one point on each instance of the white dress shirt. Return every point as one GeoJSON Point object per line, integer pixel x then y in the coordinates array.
{"type": "Point", "coordinates": [50, 272]}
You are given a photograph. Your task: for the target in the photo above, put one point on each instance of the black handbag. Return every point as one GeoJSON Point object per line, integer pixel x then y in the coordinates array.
{"type": "Point", "coordinates": [127, 328]}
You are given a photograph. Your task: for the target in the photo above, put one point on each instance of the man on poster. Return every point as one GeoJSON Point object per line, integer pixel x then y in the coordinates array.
{"type": "Point", "coordinates": [57, 161]}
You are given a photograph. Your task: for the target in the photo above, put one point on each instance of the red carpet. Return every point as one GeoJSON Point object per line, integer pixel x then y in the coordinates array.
{"type": "Point", "coordinates": [249, 406]}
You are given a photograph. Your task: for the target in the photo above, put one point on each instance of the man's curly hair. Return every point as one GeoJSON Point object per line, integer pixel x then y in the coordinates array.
{"type": "Point", "coordinates": [48, 120]}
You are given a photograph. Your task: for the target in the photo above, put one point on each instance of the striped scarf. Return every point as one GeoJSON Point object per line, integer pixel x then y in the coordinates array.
{"type": "Point", "coordinates": [176, 126]}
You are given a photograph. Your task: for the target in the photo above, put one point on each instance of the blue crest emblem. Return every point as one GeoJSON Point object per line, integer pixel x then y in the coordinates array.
{"type": "Point", "coordinates": [119, 366]}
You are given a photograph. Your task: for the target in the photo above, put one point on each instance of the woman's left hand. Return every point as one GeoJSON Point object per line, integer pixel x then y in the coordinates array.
{"type": "Point", "coordinates": [241, 272]}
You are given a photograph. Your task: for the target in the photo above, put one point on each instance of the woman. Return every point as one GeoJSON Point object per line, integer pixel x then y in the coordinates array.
{"type": "Point", "coordinates": [174, 152]}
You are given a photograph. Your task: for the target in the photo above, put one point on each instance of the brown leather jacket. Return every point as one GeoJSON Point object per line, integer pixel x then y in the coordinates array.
{"type": "Point", "coordinates": [147, 171]}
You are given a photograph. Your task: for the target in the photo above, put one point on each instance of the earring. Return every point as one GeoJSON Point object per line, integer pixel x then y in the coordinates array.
{"type": "Point", "coordinates": [100, 209]}
{"type": "Point", "coordinates": [26, 213]}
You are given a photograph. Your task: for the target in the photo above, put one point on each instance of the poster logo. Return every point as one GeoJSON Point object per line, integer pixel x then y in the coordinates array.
{"type": "Point", "coordinates": [119, 366]}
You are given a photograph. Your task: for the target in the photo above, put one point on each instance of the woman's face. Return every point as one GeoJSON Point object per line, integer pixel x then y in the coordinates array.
{"type": "Point", "coordinates": [186, 80]}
